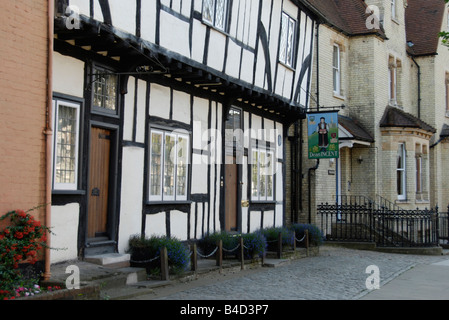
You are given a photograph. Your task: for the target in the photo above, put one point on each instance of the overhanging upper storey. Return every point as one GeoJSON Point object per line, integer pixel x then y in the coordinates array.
{"type": "Point", "coordinates": [253, 53]}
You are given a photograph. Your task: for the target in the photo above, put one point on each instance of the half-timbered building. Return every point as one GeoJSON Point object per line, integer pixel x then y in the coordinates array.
{"type": "Point", "coordinates": [170, 117]}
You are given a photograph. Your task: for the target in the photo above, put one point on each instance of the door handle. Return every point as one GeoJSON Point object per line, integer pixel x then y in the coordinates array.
{"type": "Point", "coordinates": [95, 192]}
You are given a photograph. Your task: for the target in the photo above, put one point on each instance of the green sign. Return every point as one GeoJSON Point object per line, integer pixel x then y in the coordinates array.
{"type": "Point", "coordinates": [323, 135]}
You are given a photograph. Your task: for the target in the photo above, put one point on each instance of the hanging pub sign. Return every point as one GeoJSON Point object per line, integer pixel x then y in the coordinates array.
{"type": "Point", "coordinates": [323, 135]}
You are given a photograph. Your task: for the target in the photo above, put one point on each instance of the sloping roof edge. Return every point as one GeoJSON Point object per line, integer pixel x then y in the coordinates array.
{"type": "Point", "coordinates": [394, 117]}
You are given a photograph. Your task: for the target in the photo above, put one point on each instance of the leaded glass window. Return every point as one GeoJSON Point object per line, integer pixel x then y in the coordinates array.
{"type": "Point", "coordinates": [66, 145]}
{"type": "Point", "coordinates": [105, 90]}
{"type": "Point", "coordinates": [215, 13]}
{"type": "Point", "coordinates": [287, 40]}
{"type": "Point", "coordinates": [262, 174]}
{"type": "Point", "coordinates": [400, 172]}
{"type": "Point", "coordinates": [169, 165]}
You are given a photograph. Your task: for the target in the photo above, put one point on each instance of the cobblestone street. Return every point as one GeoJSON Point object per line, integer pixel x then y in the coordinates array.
{"type": "Point", "coordinates": [336, 274]}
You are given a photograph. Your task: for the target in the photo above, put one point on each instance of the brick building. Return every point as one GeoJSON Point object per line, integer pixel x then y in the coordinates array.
{"type": "Point", "coordinates": [23, 106]}
{"type": "Point", "coordinates": [386, 65]}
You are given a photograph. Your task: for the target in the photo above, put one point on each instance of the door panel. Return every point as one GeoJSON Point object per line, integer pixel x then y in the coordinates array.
{"type": "Point", "coordinates": [231, 188]}
{"type": "Point", "coordinates": [99, 165]}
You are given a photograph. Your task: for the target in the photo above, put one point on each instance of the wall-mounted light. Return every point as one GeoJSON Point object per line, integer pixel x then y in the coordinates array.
{"type": "Point", "coordinates": [360, 159]}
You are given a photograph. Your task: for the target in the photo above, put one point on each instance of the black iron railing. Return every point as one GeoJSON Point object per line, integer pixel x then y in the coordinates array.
{"type": "Point", "coordinates": [387, 226]}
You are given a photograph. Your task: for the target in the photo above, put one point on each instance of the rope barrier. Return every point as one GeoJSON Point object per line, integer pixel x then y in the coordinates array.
{"type": "Point", "coordinates": [206, 256]}
{"type": "Point", "coordinates": [145, 261]}
{"type": "Point", "coordinates": [232, 250]}
{"type": "Point", "coordinates": [301, 239]}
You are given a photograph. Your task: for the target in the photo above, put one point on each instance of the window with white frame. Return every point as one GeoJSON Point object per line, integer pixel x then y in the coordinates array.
{"type": "Point", "coordinates": [215, 12]}
{"type": "Point", "coordinates": [66, 144]}
{"type": "Point", "coordinates": [419, 180]}
{"type": "Point", "coordinates": [336, 68]}
{"type": "Point", "coordinates": [105, 85]}
{"type": "Point", "coordinates": [262, 174]}
{"type": "Point", "coordinates": [287, 40]}
{"type": "Point", "coordinates": [401, 172]}
{"type": "Point", "coordinates": [169, 165]}
{"type": "Point", "coordinates": [393, 9]}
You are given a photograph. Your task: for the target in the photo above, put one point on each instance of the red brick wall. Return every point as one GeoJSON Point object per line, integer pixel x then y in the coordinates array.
{"type": "Point", "coordinates": [23, 74]}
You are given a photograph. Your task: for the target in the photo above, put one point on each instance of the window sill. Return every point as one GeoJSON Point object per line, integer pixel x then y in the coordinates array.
{"type": "Point", "coordinates": [169, 202]}
{"type": "Point", "coordinates": [395, 20]}
{"type": "Point", "coordinates": [207, 23]}
{"type": "Point", "coordinates": [263, 202]}
{"type": "Point", "coordinates": [286, 66]}
{"type": "Point", "coordinates": [69, 192]}
{"type": "Point", "coordinates": [339, 96]}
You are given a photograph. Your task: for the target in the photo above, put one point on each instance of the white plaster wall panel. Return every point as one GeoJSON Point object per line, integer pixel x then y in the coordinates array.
{"type": "Point", "coordinates": [217, 46]}
{"type": "Point", "coordinates": [255, 218]}
{"type": "Point", "coordinates": [200, 122]}
{"type": "Point", "coordinates": [240, 19]}
{"type": "Point", "coordinates": [141, 115]}
{"type": "Point", "coordinates": [198, 5]}
{"type": "Point", "coordinates": [148, 25]}
{"type": "Point", "coordinates": [247, 66]}
{"type": "Point", "coordinates": [215, 138]}
{"type": "Point", "coordinates": [256, 127]}
{"type": "Point", "coordinates": [192, 221]}
{"type": "Point", "coordinates": [244, 219]}
{"type": "Point", "coordinates": [167, 2]}
{"type": "Point", "coordinates": [155, 225]}
{"type": "Point", "coordinates": [68, 75]}
{"type": "Point", "coordinates": [233, 20]}
{"type": "Point", "coordinates": [123, 15]}
{"type": "Point", "coordinates": [98, 14]}
{"type": "Point", "coordinates": [307, 51]}
{"type": "Point", "coordinates": [245, 178]}
{"type": "Point", "coordinates": [198, 41]}
{"type": "Point", "coordinates": [64, 225]}
{"type": "Point", "coordinates": [186, 7]}
{"type": "Point", "coordinates": [300, 48]}
{"type": "Point", "coordinates": [233, 59]}
{"type": "Point", "coordinates": [269, 132]}
{"type": "Point", "coordinates": [253, 17]}
{"type": "Point", "coordinates": [159, 101]}
{"type": "Point", "coordinates": [178, 225]}
{"type": "Point", "coordinates": [199, 173]}
{"type": "Point", "coordinates": [174, 34]}
{"type": "Point", "coordinates": [279, 86]}
{"type": "Point", "coordinates": [131, 195]}
{"type": "Point", "coordinates": [260, 76]}
{"type": "Point", "coordinates": [279, 216]}
{"type": "Point", "coordinates": [246, 136]}
{"type": "Point", "coordinates": [279, 196]}
{"type": "Point", "coordinates": [280, 149]}
{"type": "Point", "coordinates": [290, 8]}
{"type": "Point", "coordinates": [268, 219]}
{"type": "Point", "coordinates": [181, 107]}
{"type": "Point", "coordinates": [199, 221]}
{"type": "Point", "coordinates": [128, 122]}
{"type": "Point", "coordinates": [274, 36]}
{"type": "Point", "coordinates": [288, 81]}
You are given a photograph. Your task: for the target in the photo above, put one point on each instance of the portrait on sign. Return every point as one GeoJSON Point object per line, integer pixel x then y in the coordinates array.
{"type": "Point", "coordinates": [323, 135]}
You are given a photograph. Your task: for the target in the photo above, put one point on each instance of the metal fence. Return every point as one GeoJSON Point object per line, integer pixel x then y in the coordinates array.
{"type": "Point", "coordinates": [387, 226]}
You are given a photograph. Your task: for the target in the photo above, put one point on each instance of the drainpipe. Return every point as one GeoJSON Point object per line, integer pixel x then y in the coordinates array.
{"type": "Point", "coordinates": [318, 109]}
{"type": "Point", "coordinates": [48, 132]}
{"type": "Point", "coordinates": [419, 87]}
{"type": "Point", "coordinates": [310, 188]}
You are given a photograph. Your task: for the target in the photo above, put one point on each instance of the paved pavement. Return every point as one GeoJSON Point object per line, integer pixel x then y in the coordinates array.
{"type": "Point", "coordinates": [336, 274]}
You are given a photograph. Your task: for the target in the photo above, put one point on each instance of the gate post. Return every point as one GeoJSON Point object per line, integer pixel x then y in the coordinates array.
{"type": "Point", "coordinates": [164, 264]}
{"type": "Point", "coordinates": [194, 258]}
